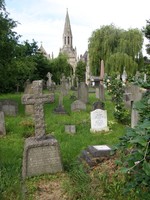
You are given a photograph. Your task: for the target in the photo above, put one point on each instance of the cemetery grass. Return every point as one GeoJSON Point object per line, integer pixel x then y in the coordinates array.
{"type": "Point", "coordinates": [74, 182]}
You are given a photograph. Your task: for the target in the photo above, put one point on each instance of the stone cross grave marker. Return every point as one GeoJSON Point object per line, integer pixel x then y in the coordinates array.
{"type": "Point", "coordinates": [49, 81]}
{"type": "Point", "coordinates": [37, 99]}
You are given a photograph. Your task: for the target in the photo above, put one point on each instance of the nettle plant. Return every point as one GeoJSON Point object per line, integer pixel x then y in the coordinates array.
{"type": "Point", "coordinates": [116, 89]}
{"type": "Point", "coordinates": [135, 148]}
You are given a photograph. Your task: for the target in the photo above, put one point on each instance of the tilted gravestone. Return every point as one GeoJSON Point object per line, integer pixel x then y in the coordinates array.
{"type": "Point", "coordinates": [99, 121]}
{"type": "Point", "coordinates": [2, 124]}
{"type": "Point", "coordinates": [9, 107]}
{"type": "Point", "coordinates": [41, 153]}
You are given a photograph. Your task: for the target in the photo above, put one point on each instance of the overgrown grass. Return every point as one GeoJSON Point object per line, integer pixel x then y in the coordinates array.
{"type": "Point", "coordinates": [20, 127]}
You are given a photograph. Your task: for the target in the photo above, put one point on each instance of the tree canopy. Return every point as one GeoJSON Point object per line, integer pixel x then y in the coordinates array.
{"type": "Point", "coordinates": [117, 47]}
{"type": "Point", "coordinates": [146, 31]}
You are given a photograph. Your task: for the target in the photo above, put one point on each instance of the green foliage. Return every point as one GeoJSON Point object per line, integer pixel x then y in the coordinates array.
{"type": "Point", "coordinates": [116, 89]}
{"type": "Point", "coordinates": [146, 31]}
{"type": "Point", "coordinates": [117, 47]}
{"type": "Point", "coordinates": [20, 127]}
{"type": "Point", "coordinates": [80, 71]}
{"type": "Point", "coordinates": [59, 66]}
{"type": "Point", "coordinates": [135, 148]}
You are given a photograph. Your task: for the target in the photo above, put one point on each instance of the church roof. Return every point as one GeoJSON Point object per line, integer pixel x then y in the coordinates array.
{"type": "Point", "coordinates": [67, 27]}
{"type": "Point", "coordinates": [42, 50]}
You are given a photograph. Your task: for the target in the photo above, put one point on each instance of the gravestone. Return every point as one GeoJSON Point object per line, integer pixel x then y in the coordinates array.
{"type": "Point", "coordinates": [2, 124]}
{"type": "Point", "coordinates": [70, 129]}
{"type": "Point", "coordinates": [63, 92]}
{"type": "Point", "coordinates": [124, 76]}
{"type": "Point", "coordinates": [29, 109]}
{"type": "Point", "coordinates": [41, 153]}
{"type": "Point", "coordinates": [64, 87]}
{"type": "Point", "coordinates": [78, 105]}
{"type": "Point", "coordinates": [49, 81]}
{"type": "Point", "coordinates": [133, 93]}
{"type": "Point", "coordinates": [98, 105]}
{"type": "Point", "coordinates": [95, 155]}
{"type": "Point", "coordinates": [83, 92]}
{"type": "Point", "coordinates": [9, 107]}
{"type": "Point", "coordinates": [99, 121]}
{"type": "Point", "coordinates": [101, 86]}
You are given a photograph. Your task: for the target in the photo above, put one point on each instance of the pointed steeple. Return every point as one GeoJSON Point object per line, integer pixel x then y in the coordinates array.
{"type": "Point", "coordinates": [67, 35]}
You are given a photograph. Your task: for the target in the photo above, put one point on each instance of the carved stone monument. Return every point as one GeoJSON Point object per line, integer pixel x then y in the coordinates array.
{"type": "Point", "coordinates": [99, 121]}
{"type": "Point", "coordinates": [2, 124]}
{"type": "Point", "coordinates": [41, 153]}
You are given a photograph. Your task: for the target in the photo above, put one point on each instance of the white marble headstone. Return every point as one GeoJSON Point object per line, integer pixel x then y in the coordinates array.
{"type": "Point", "coordinates": [99, 120]}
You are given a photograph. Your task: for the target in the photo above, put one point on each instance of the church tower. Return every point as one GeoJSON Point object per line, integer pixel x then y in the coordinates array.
{"type": "Point", "coordinates": [68, 44]}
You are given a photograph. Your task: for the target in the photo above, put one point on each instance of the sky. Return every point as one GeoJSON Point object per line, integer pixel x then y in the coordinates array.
{"type": "Point", "coordinates": [43, 20]}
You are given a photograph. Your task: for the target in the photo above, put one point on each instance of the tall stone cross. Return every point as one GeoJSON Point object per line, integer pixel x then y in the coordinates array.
{"type": "Point", "coordinates": [38, 99]}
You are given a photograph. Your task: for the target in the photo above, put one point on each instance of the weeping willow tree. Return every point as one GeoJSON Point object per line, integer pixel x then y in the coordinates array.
{"type": "Point", "coordinates": [117, 47]}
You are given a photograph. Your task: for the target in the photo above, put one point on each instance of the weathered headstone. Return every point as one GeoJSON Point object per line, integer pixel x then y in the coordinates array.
{"type": "Point", "coordinates": [29, 109]}
{"type": "Point", "coordinates": [49, 81]}
{"type": "Point", "coordinates": [101, 86]}
{"type": "Point", "coordinates": [98, 105]}
{"type": "Point", "coordinates": [99, 121]}
{"type": "Point", "coordinates": [78, 105]}
{"type": "Point", "coordinates": [64, 87]}
{"type": "Point", "coordinates": [70, 129]}
{"type": "Point", "coordinates": [133, 93]}
{"type": "Point", "coordinates": [9, 107]}
{"type": "Point", "coordinates": [41, 153]}
{"type": "Point", "coordinates": [2, 124]}
{"type": "Point", "coordinates": [83, 92]}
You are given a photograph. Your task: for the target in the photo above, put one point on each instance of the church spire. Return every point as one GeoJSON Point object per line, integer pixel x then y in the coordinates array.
{"type": "Point", "coordinates": [67, 35]}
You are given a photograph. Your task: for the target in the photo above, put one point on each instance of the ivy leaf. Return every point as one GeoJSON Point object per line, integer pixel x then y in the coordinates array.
{"type": "Point", "coordinates": [124, 170]}
{"type": "Point", "coordinates": [139, 140]}
{"type": "Point", "coordinates": [146, 167]}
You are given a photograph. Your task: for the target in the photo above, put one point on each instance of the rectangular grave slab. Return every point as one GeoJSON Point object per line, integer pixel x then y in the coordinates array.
{"type": "Point", "coordinates": [70, 129]}
{"type": "Point", "coordinates": [99, 150]}
{"type": "Point", "coordinates": [41, 157]}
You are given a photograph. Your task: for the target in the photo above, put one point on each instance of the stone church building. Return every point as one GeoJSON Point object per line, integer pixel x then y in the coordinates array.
{"type": "Point", "coordinates": [68, 44]}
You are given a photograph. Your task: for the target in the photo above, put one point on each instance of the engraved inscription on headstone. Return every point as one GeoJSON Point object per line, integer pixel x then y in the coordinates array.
{"type": "Point", "coordinates": [41, 156]}
{"type": "Point", "coordinates": [99, 120]}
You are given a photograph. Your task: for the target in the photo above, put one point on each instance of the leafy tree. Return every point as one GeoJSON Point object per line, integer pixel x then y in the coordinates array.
{"type": "Point", "coordinates": [80, 71]}
{"type": "Point", "coordinates": [59, 66]}
{"type": "Point", "coordinates": [108, 42]}
{"type": "Point", "coordinates": [9, 39]}
{"type": "Point", "coordinates": [146, 31]}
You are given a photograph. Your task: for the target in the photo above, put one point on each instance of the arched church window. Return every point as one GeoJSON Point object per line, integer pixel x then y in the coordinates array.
{"type": "Point", "coordinates": [68, 40]}
{"type": "Point", "coordinates": [65, 40]}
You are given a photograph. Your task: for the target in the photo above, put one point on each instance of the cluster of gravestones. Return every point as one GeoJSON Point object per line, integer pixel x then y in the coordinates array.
{"type": "Point", "coordinates": [41, 152]}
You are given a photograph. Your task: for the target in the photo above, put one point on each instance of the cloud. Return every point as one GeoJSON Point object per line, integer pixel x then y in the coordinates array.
{"type": "Point", "coordinates": [43, 20]}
